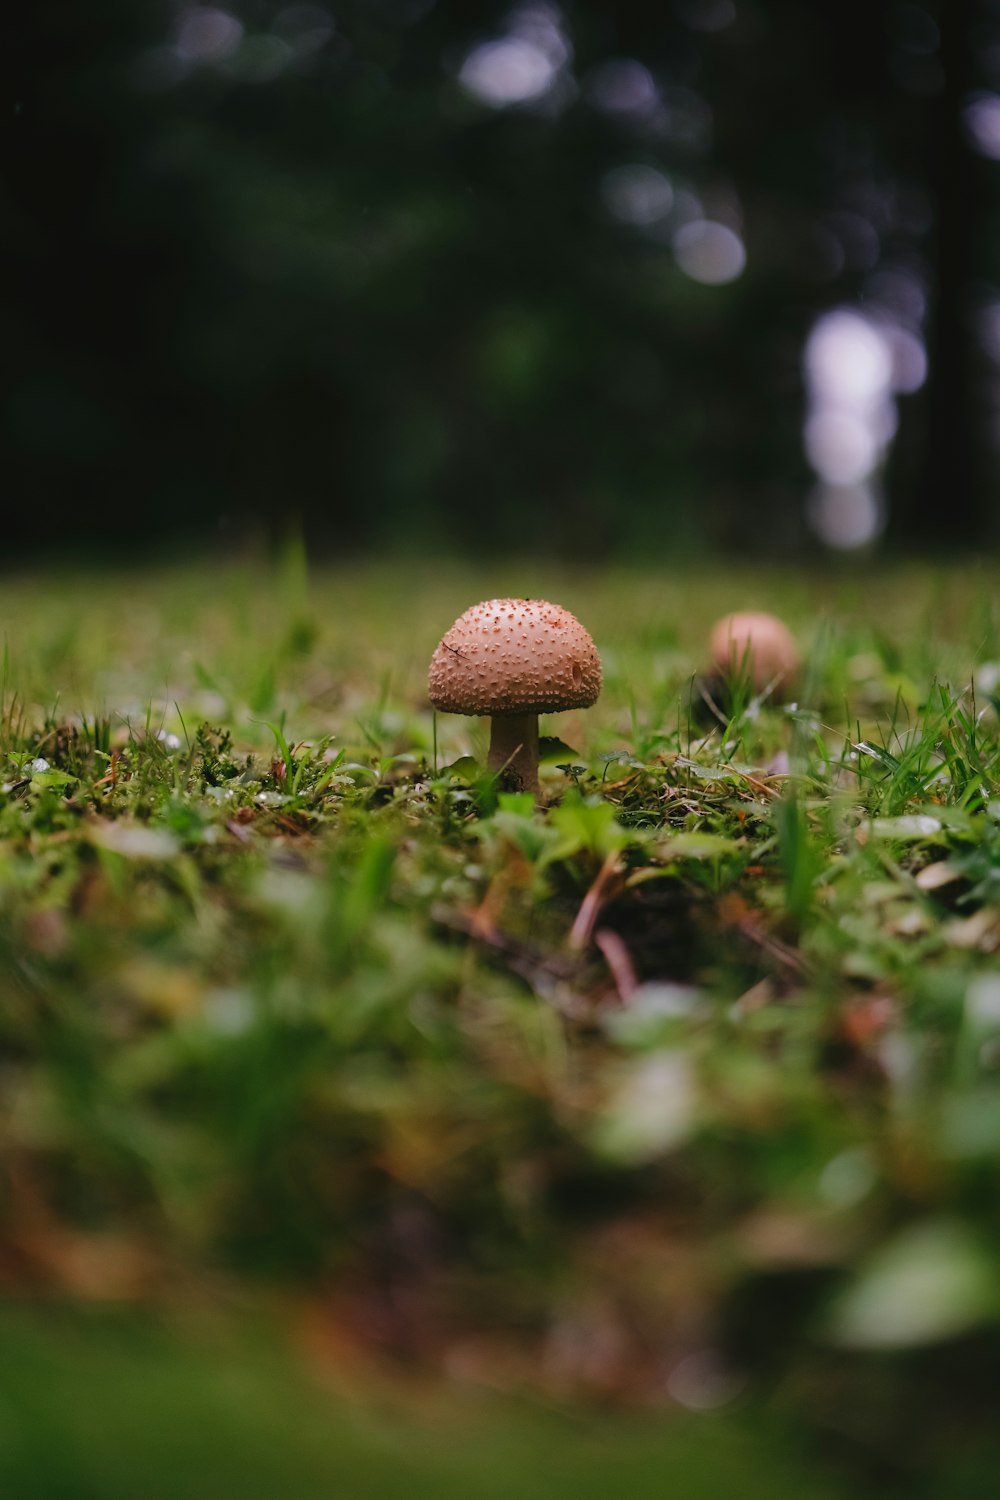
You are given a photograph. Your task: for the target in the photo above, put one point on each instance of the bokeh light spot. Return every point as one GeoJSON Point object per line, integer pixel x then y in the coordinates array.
{"type": "Point", "coordinates": [637, 194]}
{"type": "Point", "coordinates": [208, 35]}
{"type": "Point", "coordinates": [855, 365]}
{"type": "Point", "coordinates": [841, 446]}
{"type": "Point", "coordinates": [510, 71]}
{"type": "Point", "coordinates": [981, 117]}
{"type": "Point", "coordinates": [522, 66]}
{"type": "Point", "coordinates": [622, 86]}
{"type": "Point", "coordinates": [848, 362]}
{"type": "Point", "coordinates": [846, 517]}
{"type": "Point", "coordinates": [909, 360]}
{"type": "Point", "coordinates": [709, 252]}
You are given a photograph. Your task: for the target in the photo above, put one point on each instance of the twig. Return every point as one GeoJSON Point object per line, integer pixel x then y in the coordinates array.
{"type": "Point", "coordinates": [619, 961]}
{"type": "Point", "coordinates": [606, 884]}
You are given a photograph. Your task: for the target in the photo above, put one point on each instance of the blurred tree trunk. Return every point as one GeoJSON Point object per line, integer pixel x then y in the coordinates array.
{"type": "Point", "coordinates": [947, 505]}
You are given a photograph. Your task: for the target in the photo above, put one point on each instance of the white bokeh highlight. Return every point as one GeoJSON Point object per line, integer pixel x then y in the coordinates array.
{"type": "Point", "coordinates": [981, 118]}
{"type": "Point", "coordinates": [710, 252]}
{"type": "Point", "coordinates": [855, 366]}
{"type": "Point", "coordinates": [524, 65]}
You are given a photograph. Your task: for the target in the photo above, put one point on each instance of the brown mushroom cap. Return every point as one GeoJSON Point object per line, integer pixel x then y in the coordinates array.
{"type": "Point", "coordinates": [757, 643]}
{"type": "Point", "coordinates": [514, 656]}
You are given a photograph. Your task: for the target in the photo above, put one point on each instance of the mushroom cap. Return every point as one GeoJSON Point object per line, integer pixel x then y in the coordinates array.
{"type": "Point", "coordinates": [514, 656]}
{"type": "Point", "coordinates": [755, 643]}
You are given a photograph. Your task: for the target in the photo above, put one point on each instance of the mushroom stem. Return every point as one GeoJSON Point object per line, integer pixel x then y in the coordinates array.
{"type": "Point", "coordinates": [514, 750]}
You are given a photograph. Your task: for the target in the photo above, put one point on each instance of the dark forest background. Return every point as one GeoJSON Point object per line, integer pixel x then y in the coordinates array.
{"type": "Point", "coordinates": [501, 276]}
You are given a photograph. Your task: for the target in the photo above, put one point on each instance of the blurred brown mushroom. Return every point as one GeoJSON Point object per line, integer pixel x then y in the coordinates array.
{"type": "Point", "coordinates": [756, 647]}
{"type": "Point", "coordinates": [515, 659]}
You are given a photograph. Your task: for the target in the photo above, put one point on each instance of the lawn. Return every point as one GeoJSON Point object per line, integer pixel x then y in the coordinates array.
{"type": "Point", "coordinates": [647, 1136]}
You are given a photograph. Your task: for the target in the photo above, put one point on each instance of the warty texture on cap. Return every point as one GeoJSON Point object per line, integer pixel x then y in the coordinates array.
{"type": "Point", "coordinates": [514, 656]}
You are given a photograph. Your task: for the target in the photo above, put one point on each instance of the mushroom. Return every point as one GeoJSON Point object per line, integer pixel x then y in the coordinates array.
{"type": "Point", "coordinates": [757, 647]}
{"type": "Point", "coordinates": [514, 659]}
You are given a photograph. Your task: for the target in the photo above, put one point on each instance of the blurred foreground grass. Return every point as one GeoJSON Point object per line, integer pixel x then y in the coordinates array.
{"type": "Point", "coordinates": [93, 1408]}
{"type": "Point", "coordinates": [678, 1094]}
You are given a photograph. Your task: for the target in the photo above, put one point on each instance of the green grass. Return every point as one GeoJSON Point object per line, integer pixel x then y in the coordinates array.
{"type": "Point", "coordinates": [693, 1068]}
{"type": "Point", "coordinates": [92, 1408]}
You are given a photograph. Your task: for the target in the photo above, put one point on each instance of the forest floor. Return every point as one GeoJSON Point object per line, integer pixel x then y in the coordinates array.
{"type": "Point", "coordinates": [366, 1124]}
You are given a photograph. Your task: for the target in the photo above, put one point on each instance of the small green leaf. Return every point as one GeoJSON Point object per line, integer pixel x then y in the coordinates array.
{"type": "Point", "coordinates": [53, 779]}
{"type": "Point", "coordinates": [515, 820]}
{"type": "Point", "coordinates": [552, 748]}
{"type": "Point", "coordinates": [908, 827]}
{"type": "Point", "coordinates": [585, 824]}
{"type": "Point", "coordinates": [262, 693]}
{"type": "Point", "coordinates": [800, 855]}
{"type": "Point", "coordinates": [695, 845]}
{"type": "Point", "coordinates": [878, 754]}
{"type": "Point", "coordinates": [466, 767]}
{"type": "Point", "coordinates": [520, 803]}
